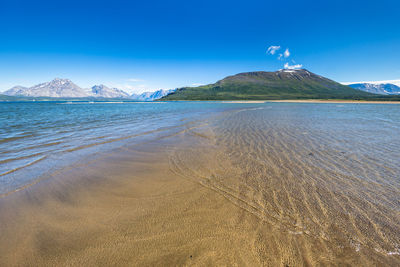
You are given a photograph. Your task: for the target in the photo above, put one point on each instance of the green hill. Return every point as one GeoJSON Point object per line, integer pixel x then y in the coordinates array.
{"type": "Point", "coordinates": [261, 85]}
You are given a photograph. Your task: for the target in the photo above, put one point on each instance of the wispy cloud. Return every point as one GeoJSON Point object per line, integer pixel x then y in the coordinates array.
{"type": "Point", "coordinates": [197, 84]}
{"type": "Point", "coordinates": [133, 85]}
{"type": "Point", "coordinates": [137, 88]}
{"type": "Point", "coordinates": [272, 49]}
{"type": "Point", "coordinates": [292, 67]}
{"type": "Point", "coordinates": [134, 80]}
{"type": "Point", "coordinates": [286, 53]}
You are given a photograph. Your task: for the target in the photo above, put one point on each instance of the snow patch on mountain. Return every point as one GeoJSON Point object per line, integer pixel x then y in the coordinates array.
{"type": "Point", "coordinates": [376, 88]}
{"type": "Point", "coordinates": [55, 88]}
{"type": "Point", "coordinates": [106, 92]}
{"type": "Point", "coordinates": [66, 88]}
{"type": "Point", "coordinates": [395, 82]}
{"type": "Point", "coordinates": [151, 96]}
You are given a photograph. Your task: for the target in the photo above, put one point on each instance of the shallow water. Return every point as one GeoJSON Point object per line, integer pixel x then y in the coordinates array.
{"type": "Point", "coordinates": [38, 138]}
{"type": "Point", "coordinates": [323, 180]}
{"type": "Point", "coordinates": [328, 174]}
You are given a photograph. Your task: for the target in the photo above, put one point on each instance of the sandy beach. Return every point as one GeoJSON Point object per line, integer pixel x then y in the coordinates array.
{"type": "Point", "coordinates": [129, 209]}
{"type": "Point", "coordinates": [241, 188]}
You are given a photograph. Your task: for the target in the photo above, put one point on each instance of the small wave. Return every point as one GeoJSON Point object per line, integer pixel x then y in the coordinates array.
{"type": "Point", "coordinates": [24, 166]}
{"type": "Point", "coordinates": [124, 138]}
{"type": "Point", "coordinates": [9, 139]}
{"type": "Point", "coordinates": [20, 158]}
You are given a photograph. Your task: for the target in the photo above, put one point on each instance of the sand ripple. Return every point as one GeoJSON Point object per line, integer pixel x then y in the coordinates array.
{"type": "Point", "coordinates": [325, 184]}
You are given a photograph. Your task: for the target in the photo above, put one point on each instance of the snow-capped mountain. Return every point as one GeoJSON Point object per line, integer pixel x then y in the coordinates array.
{"type": "Point", "coordinates": [383, 88]}
{"type": "Point", "coordinates": [151, 96]}
{"type": "Point", "coordinates": [106, 92]}
{"type": "Point", "coordinates": [16, 90]}
{"type": "Point", "coordinates": [55, 88]}
{"type": "Point", "coordinates": [66, 88]}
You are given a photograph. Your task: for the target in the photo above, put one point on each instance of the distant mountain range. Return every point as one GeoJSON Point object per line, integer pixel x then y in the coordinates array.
{"type": "Point", "coordinates": [55, 88]}
{"type": "Point", "coordinates": [106, 92]}
{"type": "Point", "coordinates": [261, 85]}
{"type": "Point", "coordinates": [65, 88]}
{"type": "Point", "coordinates": [150, 96]}
{"type": "Point", "coordinates": [377, 88]}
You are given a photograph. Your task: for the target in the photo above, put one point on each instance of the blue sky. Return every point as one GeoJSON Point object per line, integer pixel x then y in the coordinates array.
{"type": "Point", "coordinates": [147, 45]}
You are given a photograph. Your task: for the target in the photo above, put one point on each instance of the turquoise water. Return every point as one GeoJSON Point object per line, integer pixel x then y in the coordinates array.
{"type": "Point", "coordinates": [39, 138]}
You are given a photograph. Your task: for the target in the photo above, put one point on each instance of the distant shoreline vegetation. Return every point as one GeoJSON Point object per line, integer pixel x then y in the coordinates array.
{"type": "Point", "coordinates": [280, 85]}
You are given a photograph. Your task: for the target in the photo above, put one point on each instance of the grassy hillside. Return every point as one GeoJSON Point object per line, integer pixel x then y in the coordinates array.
{"type": "Point", "coordinates": [284, 84]}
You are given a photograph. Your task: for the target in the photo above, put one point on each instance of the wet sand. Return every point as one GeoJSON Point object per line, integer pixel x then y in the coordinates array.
{"type": "Point", "coordinates": [237, 189]}
{"type": "Point", "coordinates": [128, 209]}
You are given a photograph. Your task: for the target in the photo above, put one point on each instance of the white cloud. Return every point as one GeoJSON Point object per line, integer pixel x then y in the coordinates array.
{"type": "Point", "coordinates": [286, 53]}
{"type": "Point", "coordinates": [134, 80]}
{"type": "Point", "coordinates": [292, 67]}
{"type": "Point", "coordinates": [197, 84]}
{"type": "Point", "coordinates": [131, 86]}
{"type": "Point", "coordinates": [272, 49]}
{"type": "Point", "coordinates": [137, 89]}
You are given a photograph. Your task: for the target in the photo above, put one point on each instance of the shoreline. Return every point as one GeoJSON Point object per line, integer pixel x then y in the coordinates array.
{"type": "Point", "coordinates": [288, 101]}
{"type": "Point", "coordinates": [335, 101]}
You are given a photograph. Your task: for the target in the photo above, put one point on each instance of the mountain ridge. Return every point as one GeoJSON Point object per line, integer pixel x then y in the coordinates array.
{"type": "Point", "coordinates": [151, 96]}
{"type": "Point", "coordinates": [56, 88]}
{"type": "Point", "coordinates": [263, 85]}
{"type": "Point", "coordinates": [107, 92]}
{"type": "Point", "coordinates": [377, 88]}
{"type": "Point", "coordinates": [65, 88]}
